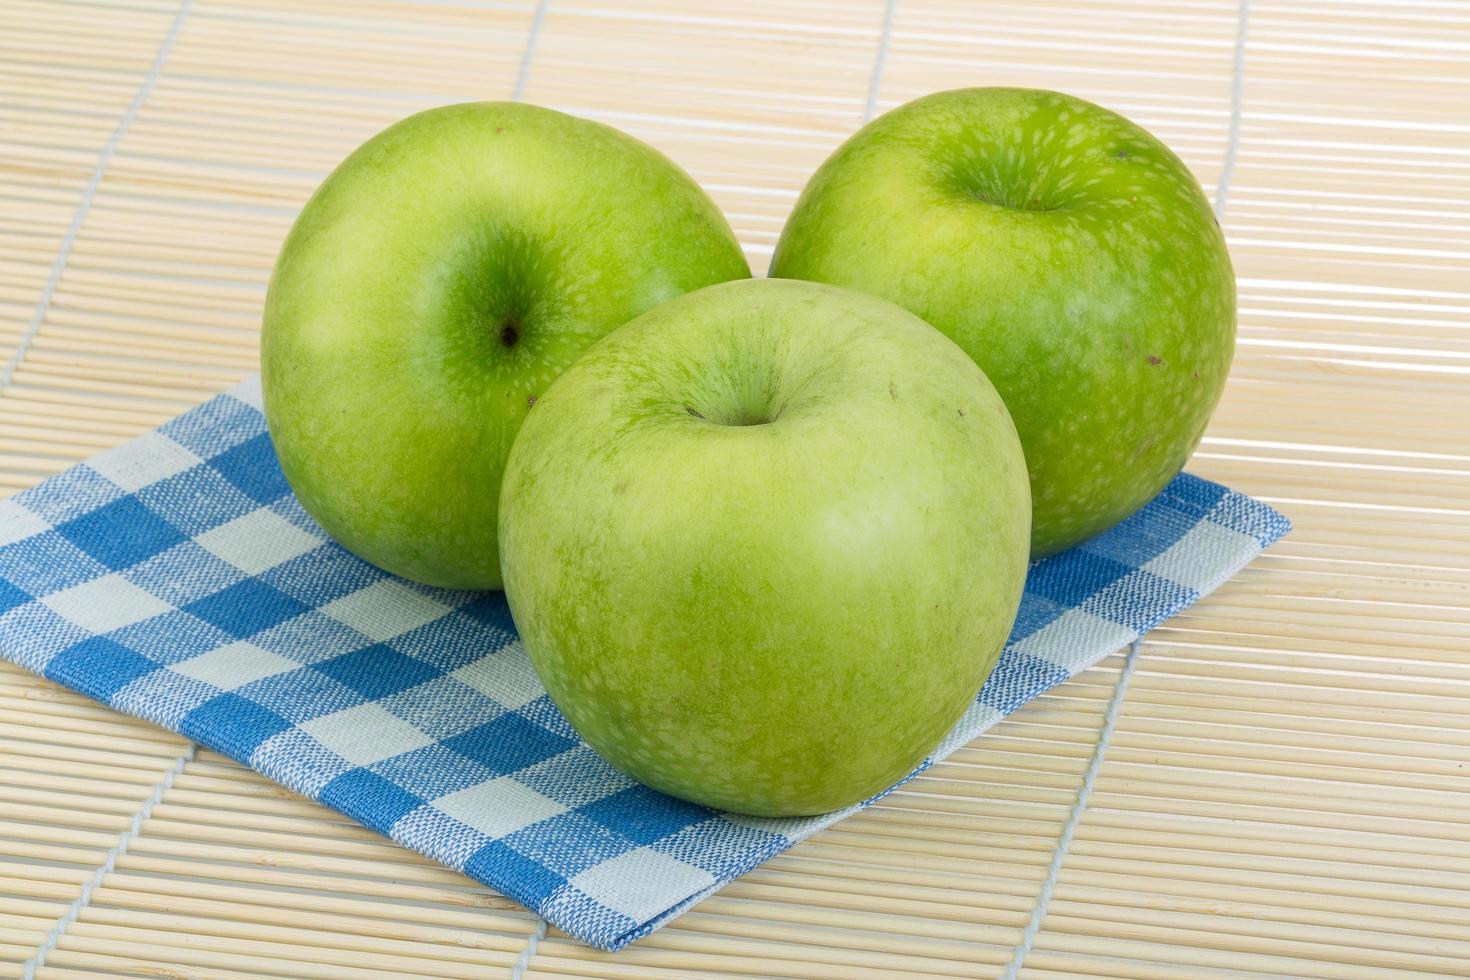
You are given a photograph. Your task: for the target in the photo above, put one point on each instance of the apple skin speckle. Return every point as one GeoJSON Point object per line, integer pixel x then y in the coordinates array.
{"type": "Point", "coordinates": [1069, 252]}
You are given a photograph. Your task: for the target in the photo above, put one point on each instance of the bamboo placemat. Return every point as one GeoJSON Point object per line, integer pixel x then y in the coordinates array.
{"type": "Point", "coordinates": [1273, 785]}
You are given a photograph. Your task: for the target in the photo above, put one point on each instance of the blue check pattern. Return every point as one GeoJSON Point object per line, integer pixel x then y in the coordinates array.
{"type": "Point", "coordinates": [177, 579]}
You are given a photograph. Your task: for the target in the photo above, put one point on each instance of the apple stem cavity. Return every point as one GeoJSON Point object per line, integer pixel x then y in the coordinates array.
{"type": "Point", "coordinates": [738, 418]}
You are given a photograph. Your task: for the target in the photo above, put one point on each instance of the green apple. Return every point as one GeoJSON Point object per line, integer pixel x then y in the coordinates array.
{"type": "Point", "coordinates": [764, 543]}
{"type": "Point", "coordinates": [1069, 252]}
{"type": "Point", "coordinates": [431, 290]}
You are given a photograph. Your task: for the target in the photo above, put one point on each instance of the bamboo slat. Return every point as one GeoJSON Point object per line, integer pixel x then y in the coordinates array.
{"type": "Point", "coordinates": [1283, 791]}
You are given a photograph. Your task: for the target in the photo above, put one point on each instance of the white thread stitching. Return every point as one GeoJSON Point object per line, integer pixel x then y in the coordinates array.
{"type": "Point", "coordinates": [109, 862]}
{"type": "Point", "coordinates": [1064, 842]}
{"type": "Point", "coordinates": [879, 59]}
{"type": "Point", "coordinates": [523, 76]}
{"type": "Point", "coordinates": [519, 970]}
{"type": "Point", "coordinates": [1237, 99]}
{"type": "Point", "coordinates": [28, 337]}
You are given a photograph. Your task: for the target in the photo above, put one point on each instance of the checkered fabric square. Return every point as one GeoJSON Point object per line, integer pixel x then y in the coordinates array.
{"type": "Point", "coordinates": [175, 578]}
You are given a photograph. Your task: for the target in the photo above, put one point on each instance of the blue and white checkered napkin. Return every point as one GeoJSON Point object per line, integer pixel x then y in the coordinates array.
{"type": "Point", "coordinates": [175, 578]}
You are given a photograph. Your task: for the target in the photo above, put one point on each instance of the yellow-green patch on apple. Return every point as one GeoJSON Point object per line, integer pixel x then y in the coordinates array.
{"type": "Point", "coordinates": [433, 287]}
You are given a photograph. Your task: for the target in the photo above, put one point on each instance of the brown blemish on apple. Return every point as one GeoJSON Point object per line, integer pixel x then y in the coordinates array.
{"type": "Point", "coordinates": [530, 401]}
{"type": "Point", "coordinates": [1155, 360]}
{"type": "Point", "coordinates": [693, 411]}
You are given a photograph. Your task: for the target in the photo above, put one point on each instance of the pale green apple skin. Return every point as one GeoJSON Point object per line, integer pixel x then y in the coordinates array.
{"type": "Point", "coordinates": [780, 618]}
{"type": "Point", "coordinates": [391, 395]}
{"type": "Point", "coordinates": [1069, 252]}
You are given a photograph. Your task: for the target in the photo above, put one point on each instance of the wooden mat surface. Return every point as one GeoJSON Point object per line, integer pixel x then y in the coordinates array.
{"type": "Point", "coordinates": [1284, 793]}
